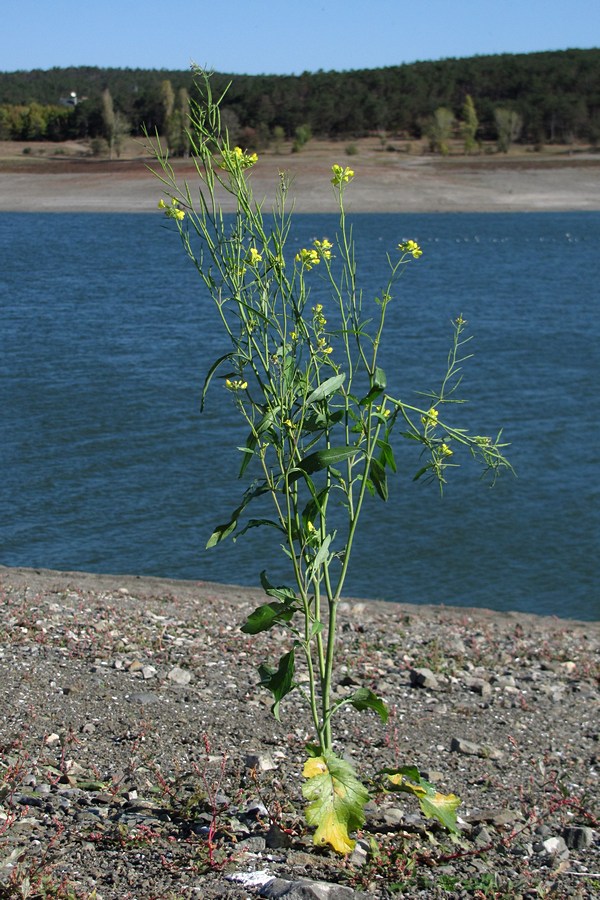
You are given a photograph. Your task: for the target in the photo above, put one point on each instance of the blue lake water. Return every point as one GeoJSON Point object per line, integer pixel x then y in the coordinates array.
{"type": "Point", "coordinates": [107, 465]}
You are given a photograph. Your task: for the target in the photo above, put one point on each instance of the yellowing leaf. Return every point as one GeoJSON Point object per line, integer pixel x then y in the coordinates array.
{"type": "Point", "coordinates": [337, 801]}
{"type": "Point", "coordinates": [433, 804]}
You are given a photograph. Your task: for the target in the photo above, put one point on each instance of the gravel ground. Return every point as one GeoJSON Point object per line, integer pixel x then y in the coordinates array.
{"type": "Point", "coordinates": [139, 760]}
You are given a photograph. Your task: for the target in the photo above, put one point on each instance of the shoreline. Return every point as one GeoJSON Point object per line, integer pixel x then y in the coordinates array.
{"type": "Point", "coordinates": [383, 183]}
{"type": "Point", "coordinates": [56, 580]}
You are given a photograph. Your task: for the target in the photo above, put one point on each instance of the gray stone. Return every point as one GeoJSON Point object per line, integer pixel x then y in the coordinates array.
{"type": "Point", "coordinates": [393, 816]}
{"type": "Point", "coordinates": [144, 698]}
{"type": "Point", "coordinates": [360, 854]}
{"type": "Point", "coordinates": [555, 846]}
{"type": "Point", "coordinates": [276, 838]}
{"type": "Point", "coordinates": [470, 748]}
{"type": "Point", "coordinates": [253, 844]}
{"type": "Point", "coordinates": [305, 890]}
{"type": "Point", "coordinates": [479, 686]}
{"type": "Point", "coordinates": [481, 836]}
{"type": "Point", "coordinates": [262, 762]}
{"type": "Point", "coordinates": [578, 837]}
{"type": "Point", "coordinates": [179, 676]}
{"type": "Point", "coordinates": [424, 678]}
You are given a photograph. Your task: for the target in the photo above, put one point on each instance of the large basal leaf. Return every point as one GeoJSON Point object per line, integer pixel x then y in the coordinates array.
{"type": "Point", "coordinates": [434, 805]}
{"type": "Point", "coordinates": [337, 801]}
{"type": "Point", "coordinates": [279, 681]}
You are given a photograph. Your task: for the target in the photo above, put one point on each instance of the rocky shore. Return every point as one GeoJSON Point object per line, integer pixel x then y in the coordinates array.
{"type": "Point", "coordinates": [139, 759]}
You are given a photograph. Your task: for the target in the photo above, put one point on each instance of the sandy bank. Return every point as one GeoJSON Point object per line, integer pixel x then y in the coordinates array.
{"type": "Point", "coordinates": [383, 183]}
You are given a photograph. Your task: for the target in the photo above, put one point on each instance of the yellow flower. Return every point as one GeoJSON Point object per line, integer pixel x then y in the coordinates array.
{"type": "Point", "coordinates": [430, 418]}
{"type": "Point", "coordinates": [236, 384]}
{"type": "Point", "coordinates": [254, 256]}
{"type": "Point", "coordinates": [310, 527]}
{"type": "Point", "coordinates": [294, 335]}
{"type": "Point", "coordinates": [288, 422]}
{"type": "Point", "coordinates": [173, 211]}
{"type": "Point", "coordinates": [383, 412]}
{"type": "Point", "coordinates": [445, 450]}
{"type": "Point", "coordinates": [323, 248]}
{"type": "Point", "coordinates": [341, 174]}
{"type": "Point", "coordinates": [328, 350]}
{"type": "Point", "coordinates": [308, 258]}
{"type": "Point", "coordinates": [237, 159]}
{"type": "Point", "coordinates": [410, 247]}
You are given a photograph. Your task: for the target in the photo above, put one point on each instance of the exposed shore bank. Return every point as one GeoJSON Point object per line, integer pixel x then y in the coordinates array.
{"type": "Point", "coordinates": [384, 182]}
{"type": "Point", "coordinates": [139, 757]}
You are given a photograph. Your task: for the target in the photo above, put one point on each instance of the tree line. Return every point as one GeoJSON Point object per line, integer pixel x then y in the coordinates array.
{"type": "Point", "coordinates": [537, 98]}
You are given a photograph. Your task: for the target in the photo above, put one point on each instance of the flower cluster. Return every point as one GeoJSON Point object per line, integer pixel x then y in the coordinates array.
{"type": "Point", "coordinates": [173, 211]}
{"type": "Point", "coordinates": [410, 247]}
{"type": "Point", "coordinates": [341, 174]}
{"type": "Point", "coordinates": [323, 248]}
{"type": "Point", "coordinates": [236, 384]}
{"type": "Point", "coordinates": [319, 319]}
{"type": "Point", "coordinates": [254, 256]}
{"type": "Point", "coordinates": [430, 418]}
{"type": "Point", "coordinates": [312, 256]}
{"type": "Point", "coordinates": [237, 159]}
{"type": "Point", "coordinates": [308, 258]}
{"type": "Point", "coordinates": [319, 323]}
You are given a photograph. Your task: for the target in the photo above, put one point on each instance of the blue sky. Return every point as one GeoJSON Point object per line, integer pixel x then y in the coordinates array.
{"type": "Point", "coordinates": [282, 37]}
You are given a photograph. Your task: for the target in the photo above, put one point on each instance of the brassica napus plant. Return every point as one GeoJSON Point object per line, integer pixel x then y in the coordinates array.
{"type": "Point", "coordinates": [306, 380]}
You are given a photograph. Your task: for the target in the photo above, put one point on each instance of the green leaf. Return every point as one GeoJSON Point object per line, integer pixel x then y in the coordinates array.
{"type": "Point", "coordinates": [282, 593]}
{"type": "Point", "coordinates": [210, 374]}
{"type": "Point", "coordinates": [379, 378]}
{"type": "Point", "coordinates": [337, 801]}
{"type": "Point", "coordinates": [258, 523]}
{"type": "Point", "coordinates": [433, 804]}
{"type": "Point", "coordinates": [248, 452]}
{"type": "Point", "coordinates": [379, 479]}
{"type": "Point", "coordinates": [322, 553]}
{"type": "Point", "coordinates": [266, 616]}
{"type": "Point", "coordinates": [386, 457]}
{"type": "Point", "coordinates": [373, 394]}
{"type": "Point", "coordinates": [421, 472]}
{"type": "Point", "coordinates": [321, 459]}
{"type": "Point", "coordinates": [279, 681]}
{"type": "Point", "coordinates": [327, 388]}
{"type": "Point", "coordinates": [378, 384]}
{"type": "Point", "coordinates": [223, 531]}
{"type": "Point", "coordinates": [363, 698]}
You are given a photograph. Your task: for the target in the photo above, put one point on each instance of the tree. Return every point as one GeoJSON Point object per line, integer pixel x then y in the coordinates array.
{"type": "Point", "coordinates": [167, 105]}
{"type": "Point", "coordinates": [508, 125]}
{"type": "Point", "coordinates": [440, 130]}
{"type": "Point", "coordinates": [176, 132]}
{"type": "Point", "coordinates": [469, 124]}
{"type": "Point", "coordinates": [108, 120]}
{"type": "Point", "coordinates": [115, 125]}
{"type": "Point", "coordinates": [302, 136]}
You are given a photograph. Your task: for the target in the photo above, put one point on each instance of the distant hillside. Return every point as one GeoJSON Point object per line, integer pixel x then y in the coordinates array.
{"type": "Point", "coordinates": [551, 97]}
